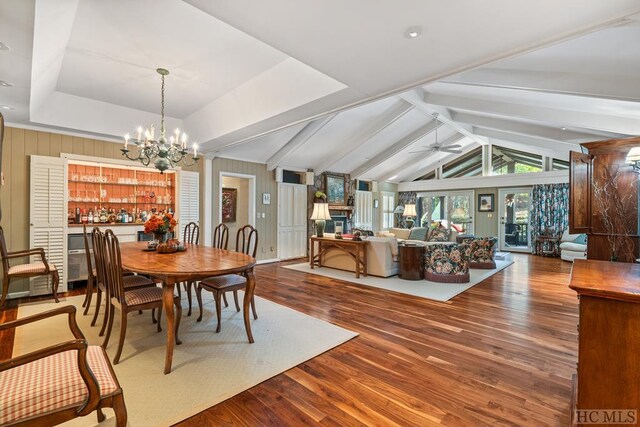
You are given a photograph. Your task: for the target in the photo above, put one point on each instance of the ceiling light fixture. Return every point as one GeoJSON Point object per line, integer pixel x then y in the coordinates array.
{"type": "Point", "coordinates": [165, 154]}
{"type": "Point", "coordinates": [4, 46]}
{"type": "Point", "coordinates": [563, 128]}
{"type": "Point", "coordinates": [5, 84]}
{"type": "Point", "coordinates": [6, 107]}
{"type": "Point", "coordinates": [413, 32]}
{"type": "Point", "coordinates": [393, 177]}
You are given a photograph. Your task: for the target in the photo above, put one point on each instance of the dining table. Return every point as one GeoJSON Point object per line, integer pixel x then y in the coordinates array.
{"type": "Point", "coordinates": [197, 262]}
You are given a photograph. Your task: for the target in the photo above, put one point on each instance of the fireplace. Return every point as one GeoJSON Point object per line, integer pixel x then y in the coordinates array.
{"type": "Point", "coordinates": [330, 226]}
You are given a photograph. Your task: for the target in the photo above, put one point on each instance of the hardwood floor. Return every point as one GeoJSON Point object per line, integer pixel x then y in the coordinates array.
{"type": "Point", "coordinates": [500, 353]}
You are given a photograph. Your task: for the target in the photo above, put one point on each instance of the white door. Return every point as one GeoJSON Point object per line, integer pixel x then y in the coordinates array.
{"type": "Point", "coordinates": [47, 219]}
{"type": "Point", "coordinates": [189, 207]}
{"type": "Point", "coordinates": [292, 221]}
{"type": "Point", "coordinates": [514, 208]}
{"type": "Point", "coordinates": [363, 217]}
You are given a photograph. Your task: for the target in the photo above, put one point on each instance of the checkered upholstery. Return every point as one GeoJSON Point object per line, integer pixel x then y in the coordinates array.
{"type": "Point", "coordinates": [50, 384]}
{"type": "Point", "coordinates": [136, 281]}
{"type": "Point", "coordinates": [226, 281]}
{"type": "Point", "coordinates": [142, 296]}
{"type": "Point", "coordinates": [36, 267]}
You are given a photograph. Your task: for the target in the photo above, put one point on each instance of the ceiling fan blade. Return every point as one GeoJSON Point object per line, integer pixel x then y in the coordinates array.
{"type": "Point", "coordinates": [453, 146]}
{"type": "Point", "coordinates": [450, 150]}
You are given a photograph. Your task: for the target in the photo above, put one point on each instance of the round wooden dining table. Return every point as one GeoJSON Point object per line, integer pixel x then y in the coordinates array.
{"type": "Point", "coordinates": [196, 263]}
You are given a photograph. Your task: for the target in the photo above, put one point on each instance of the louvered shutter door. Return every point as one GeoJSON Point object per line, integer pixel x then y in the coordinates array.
{"type": "Point", "coordinates": [189, 200]}
{"type": "Point", "coordinates": [47, 218]}
{"type": "Point", "coordinates": [364, 210]}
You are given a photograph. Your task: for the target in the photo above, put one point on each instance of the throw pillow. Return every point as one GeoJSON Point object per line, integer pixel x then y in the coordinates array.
{"type": "Point", "coordinates": [418, 233]}
{"type": "Point", "coordinates": [581, 239]}
{"type": "Point", "coordinates": [440, 235]}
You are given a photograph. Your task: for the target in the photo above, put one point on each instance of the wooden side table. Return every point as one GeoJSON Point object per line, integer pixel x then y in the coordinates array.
{"type": "Point", "coordinates": [548, 245]}
{"type": "Point", "coordinates": [411, 262]}
{"type": "Point", "coordinates": [357, 249]}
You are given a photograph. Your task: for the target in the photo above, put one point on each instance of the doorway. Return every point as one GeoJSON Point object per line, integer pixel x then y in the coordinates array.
{"type": "Point", "coordinates": [236, 202]}
{"type": "Point", "coordinates": [514, 208]}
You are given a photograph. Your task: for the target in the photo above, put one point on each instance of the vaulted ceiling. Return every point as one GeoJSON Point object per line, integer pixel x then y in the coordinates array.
{"type": "Point", "coordinates": [329, 85]}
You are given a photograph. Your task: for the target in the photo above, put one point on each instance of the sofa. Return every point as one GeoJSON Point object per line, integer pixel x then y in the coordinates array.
{"type": "Point", "coordinates": [422, 234]}
{"type": "Point", "coordinates": [573, 246]}
{"type": "Point", "coordinates": [382, 257]}
{"type": "Point", "coordinates": [447, 262]}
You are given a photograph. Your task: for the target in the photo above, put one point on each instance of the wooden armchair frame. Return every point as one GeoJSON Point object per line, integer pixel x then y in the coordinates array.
{"type": "Point", "coordinates": [93, 401]}
{"type": "Point", "coordinates": [6, 278]}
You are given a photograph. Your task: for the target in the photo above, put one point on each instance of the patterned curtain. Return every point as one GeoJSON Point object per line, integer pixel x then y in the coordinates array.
{"type": "Point", "coordinates": [549, 210]}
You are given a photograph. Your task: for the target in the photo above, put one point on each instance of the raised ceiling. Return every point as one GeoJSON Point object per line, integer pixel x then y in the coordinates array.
{"type": "Point", "coordinates": [268, 81]}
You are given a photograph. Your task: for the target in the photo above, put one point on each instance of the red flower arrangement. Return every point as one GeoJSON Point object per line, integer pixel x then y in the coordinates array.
{"type": "Point", "coordinates": [158, 224]}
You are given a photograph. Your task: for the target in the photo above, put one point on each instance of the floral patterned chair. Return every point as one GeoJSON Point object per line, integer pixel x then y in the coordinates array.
{"type": "Point", "coordinates": [447, 263]}
{"type": "Point", "coordinates": [481, 252]}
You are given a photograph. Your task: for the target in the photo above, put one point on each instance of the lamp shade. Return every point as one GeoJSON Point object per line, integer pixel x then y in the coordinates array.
{"type": "Point", "coordinates": [633, 155]}
{"type": "Point", "coordinates": [320, 211]}
{"type": "Point", "coordinates": [409, 210]}
{"type": "Point", "coordinates": [399, 209]}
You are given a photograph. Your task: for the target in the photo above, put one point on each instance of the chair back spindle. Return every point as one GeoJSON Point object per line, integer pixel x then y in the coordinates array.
{"type": "Point", "coordinates": [4, 252]}
{"type": "Point", "coordinates": [191, 233]}
{"type": "Point", "coordinates": [114, 267]}
{"type": "Point", "coordinates": [87, 249]}
{"type": "Point", "coordinates": [221, 236]}
{"type": "Point", "coordinates": [247, 240]}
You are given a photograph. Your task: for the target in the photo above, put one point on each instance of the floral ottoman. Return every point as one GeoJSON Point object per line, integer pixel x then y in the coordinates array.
{"type": "Point", "coordinates": [482, 251]}
{"type": "Point", "coordinates": [446, 263]}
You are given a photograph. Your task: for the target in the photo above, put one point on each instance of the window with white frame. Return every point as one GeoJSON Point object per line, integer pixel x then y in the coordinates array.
{"type": "Point", "coordinates": [450, 208]}
{"type": "Point", "coordinates": [388, 206]}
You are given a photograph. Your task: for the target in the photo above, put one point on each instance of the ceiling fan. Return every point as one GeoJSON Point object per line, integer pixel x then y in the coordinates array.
{"type": "Point", "coordinates": [439, 148]}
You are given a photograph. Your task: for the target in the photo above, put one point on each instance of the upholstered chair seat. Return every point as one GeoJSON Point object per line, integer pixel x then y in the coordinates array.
{"type": "Point", "coordinates": [33, 268]}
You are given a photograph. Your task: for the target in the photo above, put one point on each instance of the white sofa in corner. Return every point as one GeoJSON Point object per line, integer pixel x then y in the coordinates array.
{"type": "Point", "coordinates": [381, 257]}
{"type": "Point", "coordinates": [569, 249]}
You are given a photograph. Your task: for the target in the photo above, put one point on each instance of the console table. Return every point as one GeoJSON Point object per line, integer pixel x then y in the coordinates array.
{"type": "Point", "coordinates": [608, 346]}
{"type": "Point", "coordinates": [357, 249]}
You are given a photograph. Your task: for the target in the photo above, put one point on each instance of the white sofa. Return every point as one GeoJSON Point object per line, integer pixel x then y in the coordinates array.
{"type": "Point", "coordinates": [569, 249]}
{"type": "Point", "coordinates": [381, 257]}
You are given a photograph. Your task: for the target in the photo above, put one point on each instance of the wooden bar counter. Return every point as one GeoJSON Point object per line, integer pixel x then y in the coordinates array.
{"type": "Point", "coordinates": [609, 335]}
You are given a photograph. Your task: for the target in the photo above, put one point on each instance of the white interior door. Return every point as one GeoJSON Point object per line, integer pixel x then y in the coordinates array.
{"type": "Point", "coordinates": [292, 221]}
{"type": "Point", "coordinates": [47, 219]}
{"type": "Point", "coordinates": [363, 217]}
{"type": "Point", "coordinates": [514, 210]}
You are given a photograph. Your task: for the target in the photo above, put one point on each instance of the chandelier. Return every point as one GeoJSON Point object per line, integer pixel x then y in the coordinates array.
{"type": "Point", "coordinates": [164, 153]}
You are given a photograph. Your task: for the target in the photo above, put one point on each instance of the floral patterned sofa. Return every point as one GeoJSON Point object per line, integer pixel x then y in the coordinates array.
{"type": "Point", "coordinates": [447, 262]}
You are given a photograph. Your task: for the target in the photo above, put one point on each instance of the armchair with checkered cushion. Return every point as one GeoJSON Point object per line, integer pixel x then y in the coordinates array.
{"type": "Point", "coordinates": [55, 384]}
{"type": "Point", "coordinates": [34, 269]}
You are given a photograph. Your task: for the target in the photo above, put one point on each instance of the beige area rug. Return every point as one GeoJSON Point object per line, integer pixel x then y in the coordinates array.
{"type": "Point", "coordinates": [207, 368]}
{"type": "Point", "coordinates": [419, 288]}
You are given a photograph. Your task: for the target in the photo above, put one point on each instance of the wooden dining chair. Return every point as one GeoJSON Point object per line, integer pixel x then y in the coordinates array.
{"type": "Point", "coordinates": [101, 284]}
{"type": "Point", "coordinates": [191, 235]}
{"type": "Point", "coordinates": [58, 383]}
{"type": "Point", "coordinates": [246, 242]}
{"type": "Point", "coordinates": [91, 272]}
{"type": "Point", "coordinates": [221, 236]}
{"type": "Point", "coordinates": [128, 300]}
{"type": "Point", "coordinates": [33, 269]}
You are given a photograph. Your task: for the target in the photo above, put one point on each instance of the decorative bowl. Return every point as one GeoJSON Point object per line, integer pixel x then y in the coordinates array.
{"type": "Point", "coordinates": [167, 248]}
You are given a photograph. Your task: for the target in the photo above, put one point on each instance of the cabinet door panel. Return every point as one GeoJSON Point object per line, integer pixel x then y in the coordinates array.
{"type": "Point", "coordinates": [580, 193]}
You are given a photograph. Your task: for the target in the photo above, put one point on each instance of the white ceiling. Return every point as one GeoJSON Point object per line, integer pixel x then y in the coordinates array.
{"type": "Point", "coordinates": [263, 81]}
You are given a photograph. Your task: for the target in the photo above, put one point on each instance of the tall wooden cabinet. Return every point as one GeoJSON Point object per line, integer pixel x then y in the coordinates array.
{"type": "Point", "coordinates": [604, 191]}
{"type": "Point", "coordinates": [608, 373]}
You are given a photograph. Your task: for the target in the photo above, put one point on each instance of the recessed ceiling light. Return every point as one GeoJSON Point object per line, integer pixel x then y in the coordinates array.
{"type": "Point", "coordinates": [5, 84]}
{"type": "Point", "coordinates": [4, 46]}
{"type": "Point", "coordinates": [563, 128]}
{"type": "Point", "coordinates": [413, 32]}
{"type": "Point", "coordinates": [393, 177]}
{"type": "Point", "coordinates": [6, 107]}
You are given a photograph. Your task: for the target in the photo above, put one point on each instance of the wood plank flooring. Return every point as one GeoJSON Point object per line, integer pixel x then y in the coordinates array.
{"type": "Point", "coordinates": [500, 353]}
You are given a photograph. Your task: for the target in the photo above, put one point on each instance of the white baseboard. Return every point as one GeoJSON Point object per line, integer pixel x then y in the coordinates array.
{"type": "Point", "coordinates": [21, 294]}
{"type": "Point", "coordinates": [268, 261]}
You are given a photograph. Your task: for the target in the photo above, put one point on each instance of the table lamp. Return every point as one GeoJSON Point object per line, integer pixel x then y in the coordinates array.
{"type": "Point", "coordinates": [409, 213]}
{"type": "Point", "coordinates": [320, 214]}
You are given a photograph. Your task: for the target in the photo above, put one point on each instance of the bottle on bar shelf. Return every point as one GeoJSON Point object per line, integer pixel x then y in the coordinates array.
{"type": "Point", "coordinates": [90, 217]}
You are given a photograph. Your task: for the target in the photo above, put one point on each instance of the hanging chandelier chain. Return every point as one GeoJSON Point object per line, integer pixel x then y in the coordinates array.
{"type": "Point", "coordinates": [162, 130]}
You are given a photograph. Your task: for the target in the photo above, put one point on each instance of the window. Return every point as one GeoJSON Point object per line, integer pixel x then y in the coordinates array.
{"type": "Point", "coordinates": [452, 209]}
{"type": "Point", "coordinates": [469, 164]}
{"type": "Point", "coordinates": [507, 160]}
{"type": "Point", "coordinates": [388, 206]}
{"type": "Point", "coordinates": [559, 165]}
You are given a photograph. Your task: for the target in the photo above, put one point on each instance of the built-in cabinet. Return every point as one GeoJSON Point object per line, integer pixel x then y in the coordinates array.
{"type": "Point", "coordinates": [604, 199]}
{"type": "Point", "coordinates": [60, 185]}
{"type": "Point", "coordinates": [292, 221]}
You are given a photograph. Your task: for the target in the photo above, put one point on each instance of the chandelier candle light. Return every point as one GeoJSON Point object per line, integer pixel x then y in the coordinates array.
{"type": "Point", "coordinates": [320, 215]}
{"type": "Point", "coordinates": [165, 154]}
